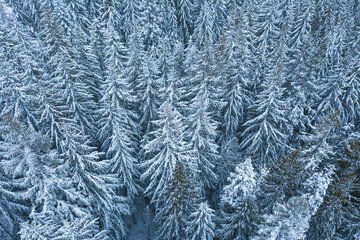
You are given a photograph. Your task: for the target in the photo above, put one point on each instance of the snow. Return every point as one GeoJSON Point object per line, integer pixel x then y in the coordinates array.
{"type": "Point", "coordinates": [140, 225]}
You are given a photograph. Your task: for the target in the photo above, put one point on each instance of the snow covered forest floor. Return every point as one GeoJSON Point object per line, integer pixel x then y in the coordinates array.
{"type": "Point", "coordinates": [142, 227]}
{"type": "Point", "coordinates": [180, 119]}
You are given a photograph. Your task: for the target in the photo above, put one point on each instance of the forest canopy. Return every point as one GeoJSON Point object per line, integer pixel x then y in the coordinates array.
{"type": "Point", "coordinates": [179, 119]}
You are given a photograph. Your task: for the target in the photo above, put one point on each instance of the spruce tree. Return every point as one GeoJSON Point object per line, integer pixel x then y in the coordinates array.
{"type": "Point", "coordinates": [219, 18]}
{"type": "Point", "coordinates": [288, 221]}
{"type": "Point", "coordinates": [151, 22]}
{"type": "Point", "coordinates": [20, 73]}
{"type": "Point", "coordinates": [204, 24]}
{"type": "Point", "coordinates": [239, 213]}
{"type": "Point", "coordinates": [167, 148]}
{"type": "Point", "coordinates": [148, 90]}
{"type": "Point", "coordinates": [201, 134]}
{"type": "Point", "coordinates": [130, 16]}
{"type": "Point", "coordinates": [265, 133]}
{"type": "Point", "coordinates": [238, 65]}
{"type": "Point", "coordinates": [185, 19]}
{"type": "Point", "coordinates": [201, 225]}
{"type": "Point", "coordinates": [178, 202]}
{"type": "Point", "coordinates": [337, 216]}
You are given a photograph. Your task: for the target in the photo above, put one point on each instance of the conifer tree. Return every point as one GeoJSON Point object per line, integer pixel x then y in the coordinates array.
{"type": "Point", "coordinates": [351, 91]}
{"type": "Point", "coordinates": [265, 133]}
{"type": "Point", "coordinates": [176, 205]}
{"type": "Point", "coordinates": [267, 31]}
{"type": "Point", "coordinates": [51, 99]}
{"type": "Point", "coordinates": [75, 11]}
{"type": "Point", "coordinates": [204, 24]}
{"type": "Point", "coordinates": [238, 65]}
{"type": "Point", "coordinates": [151, 22]}
{"type": "Point", "coordinates": [337, 216]}
{"type": "Point", "coordinates": [66, 97]}
{"type": "Point", "coordinates": [294, 188]}
{"type": "Point", "coordinates": [202, 116]}
{"type": "Point", "coordinates": [190, 69]}
{"type": "Point", "coordinates": [48, 227]}
{"type": "Point", "coordinates": [130, 16]}
{"type": "Point", "coordinates": [164, 61]}
{"type": "Point", "coordinates": [45, 184]}
{"type": "Point", "coordinates": [110, 17]}
{"type": "Point", "coordinates": [300, 172]}
{"type": "Point", "coordinates": [206, 70]}
{"type": "Point", "coordinates": [19, 174]}
{"type": "Point", "coordinates": [117, 120]}
{"type": "Point", "coordinates": [351, 63]}
{"type": "Point", "coordinates": [350, 224]}
{"type": "Point", "coordinates": [302, 90]}
{"type": "Point", "coordinates": [201, 225]}
{"type": "Point", "coordinates": [92, 7]}
{"type": "Point", "coordinates": [185, 19]}
{"type": "Point", "coordinates": [288, 221]}
{"type": "Point", "coordinates": [284, 180]}
{"type": "Point", "coordinates": [20, 73]}
{"type": "Point", "coordinates": [239, 213]}
{"type": "Point", "coordinates": [168, 18]}
{"type": "Point", "coordinates": [148, 90]}
{"type": "Point", "coordinates": [219, 18]}
{"type": "Point", "coordinates": [202, 133]}
{"type": "Point", "coordinates": [166, 149]}
{"type": "Point", "coordinates": [136, 55]}
{"type": "Point", "coordinates": [118, 126]}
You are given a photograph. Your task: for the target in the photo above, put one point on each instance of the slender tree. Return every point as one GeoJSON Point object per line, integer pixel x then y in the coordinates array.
{"type": "Point", "coordinates": [239, 213]}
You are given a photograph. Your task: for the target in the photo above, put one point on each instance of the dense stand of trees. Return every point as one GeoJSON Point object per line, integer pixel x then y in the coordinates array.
{"type": "Point", "coordinates": [235, 119]}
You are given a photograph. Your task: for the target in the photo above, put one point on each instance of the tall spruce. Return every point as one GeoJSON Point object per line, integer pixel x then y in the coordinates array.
{"type": "Point", "coordinates": [167, 147]}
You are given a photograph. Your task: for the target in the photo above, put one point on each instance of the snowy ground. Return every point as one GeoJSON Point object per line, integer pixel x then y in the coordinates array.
{"type": "Point", "coordinates": [138, 224]}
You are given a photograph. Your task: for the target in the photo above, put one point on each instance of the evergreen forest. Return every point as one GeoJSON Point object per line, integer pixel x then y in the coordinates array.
{"type": "Point", "coordinates": [180, 119]}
